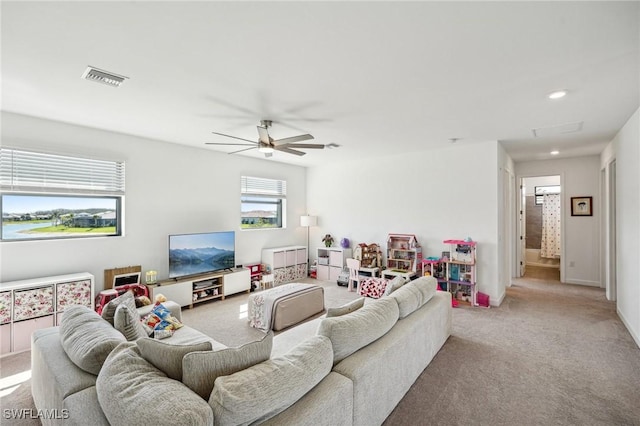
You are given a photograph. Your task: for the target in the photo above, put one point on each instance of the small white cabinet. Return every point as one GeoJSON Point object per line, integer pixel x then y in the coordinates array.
{"type": "Point", "coordinates": [29, 305]}
{"type": "Point", "coordinates": [287, 263]}
{"type": "Point", "coordinates": [331, 261]}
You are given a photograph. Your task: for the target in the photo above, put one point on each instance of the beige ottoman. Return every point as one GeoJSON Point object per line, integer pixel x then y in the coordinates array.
{"type": "Point", "coordinates": [285, 305]}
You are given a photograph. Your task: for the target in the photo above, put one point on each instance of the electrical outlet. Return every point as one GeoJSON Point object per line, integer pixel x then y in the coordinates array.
{"type": "Point", "coordinates": [572, 263]}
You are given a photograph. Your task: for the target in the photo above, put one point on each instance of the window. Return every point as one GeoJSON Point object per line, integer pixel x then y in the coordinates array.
{"type": "Point", "coordinates": [46, 196]}
{"type": "Point", "coordinates": [262, 203]}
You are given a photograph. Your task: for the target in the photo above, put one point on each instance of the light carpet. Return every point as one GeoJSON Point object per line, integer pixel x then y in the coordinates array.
{"type": "Point", "coordinates": [551, 354]}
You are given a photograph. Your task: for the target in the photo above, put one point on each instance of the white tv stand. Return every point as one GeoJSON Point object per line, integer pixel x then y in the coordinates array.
{"type": "Point", "coordinates": [191, 290]}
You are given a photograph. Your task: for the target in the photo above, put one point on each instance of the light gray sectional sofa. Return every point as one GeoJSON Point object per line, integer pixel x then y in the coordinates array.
{"type": "Point", "coordinates": [349, 369]}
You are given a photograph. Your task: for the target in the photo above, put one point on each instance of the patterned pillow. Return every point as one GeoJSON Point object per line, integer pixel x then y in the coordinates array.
{"type": "Point", "coordinates": [200, 369]}
{"type": "Point", "coordinates": [167, 357]}
{"type": "Point", "coordinates": [128, 323]}
{"type": "Point", "coordinates": [109, 310]}
{"type": "Point", "coordinates": [345, 309]}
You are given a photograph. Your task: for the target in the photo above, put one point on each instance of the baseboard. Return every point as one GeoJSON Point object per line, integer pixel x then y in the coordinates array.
{"type": "Point", "coordinates": [543, 265]}
{"type": "Point", "coordinates": [498, 302]}
{"type": "Point", "coordinates": [583, 282]}
{"type": "Point", "coordinates": [632, 332]}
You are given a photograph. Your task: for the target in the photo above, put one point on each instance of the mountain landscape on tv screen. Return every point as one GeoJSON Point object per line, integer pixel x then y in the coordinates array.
{"type": "Point", "coordinates": [197, 260]}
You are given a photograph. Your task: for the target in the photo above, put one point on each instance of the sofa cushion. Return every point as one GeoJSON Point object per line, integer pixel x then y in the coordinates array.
{"type": "Point", "coordinates": [109, 310]}
{"type": "Point", "coordinates": [394, 284]}
{"type": "Point", "coordinates": [345, 309]}
{"type": "Point", "coordinates": [408, 298]}
{"type": "Point", "coordinates": [132, 391]}
{"type": "Point", "coordinates": [86, 338]}
{"type": "Point", "coordinates": [167, 357]}
{"type": "Point", "coordinates": [200, 369]}
{"type": "Point", "coordinates": [350, 332]}
{"type": "Point", "coordinates": [260, 392]}
{"type": "Point", "coordinates": [427, 287]}
{"type": "Point", "coordinates": [128, 323]}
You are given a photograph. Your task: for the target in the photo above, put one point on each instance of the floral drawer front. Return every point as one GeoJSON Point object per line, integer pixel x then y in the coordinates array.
{"type": "Point", "coordinates": [73, 293]}
{"type": "Point", "coordinates": [279, 275]}
{"type": "Point", "coordinates": [33, 303]}
{"type": "Point", "coordinates": [301, 270]}
{"type": "Point", "coordinates": [5, 307]}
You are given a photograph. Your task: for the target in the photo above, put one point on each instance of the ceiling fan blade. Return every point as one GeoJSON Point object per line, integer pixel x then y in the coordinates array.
{"type": "Point", "coordinates": [234, 137]}
{"type": "Point", "coordinates": [289, 150]}
{"type": "Point", "coordinates": [264, 134]}
{"type": "Point", "coordinates": [239, 144]}
{"type": "Point", "coordinates": [242, 150]}
{"type": "Point", "coordinates": [293, 139]}
{"type": "Point", "coordinates": [304, 145]}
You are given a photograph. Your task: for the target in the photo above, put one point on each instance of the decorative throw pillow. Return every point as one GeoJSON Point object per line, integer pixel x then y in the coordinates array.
{"type": "Point", "coordinates": [262, 391]}
{"type": "Point", "coordinates": [128, 323]}
{"type": "Point", "coordinates": [167, 357]}
{"type": "Point", "coordinates": [200, 369]}
{"type": "Point", "coordinates": [131, 391]}
{"type": "Point", "coordinates": [160, 318]}
{"type": "Point", "coordinates": [394, 284]}
{"type": "Point", "coordinates": [345, 309]}
{"type": "Point", "coordinates": [86, 338]}
{"type": "Point", "coordinates": [109, 310]}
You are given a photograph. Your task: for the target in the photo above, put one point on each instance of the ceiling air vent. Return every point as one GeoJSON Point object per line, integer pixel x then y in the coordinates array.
{"type": "Point", "coordinates": [541, 132]}
{"type": "Point", "coordinates": [102, 76]}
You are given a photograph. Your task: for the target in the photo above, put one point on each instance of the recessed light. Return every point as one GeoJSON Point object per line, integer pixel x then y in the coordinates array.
{"type": "Point", "coordinates": [554, 152]}
{"type": "Point", "coordinates": [453, 140]}
{"type": "Point", "coordinates": [558, 94]}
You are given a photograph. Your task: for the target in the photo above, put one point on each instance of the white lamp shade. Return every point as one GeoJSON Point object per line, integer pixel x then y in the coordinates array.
{"type": "Point", "coordinates": [307, 221]}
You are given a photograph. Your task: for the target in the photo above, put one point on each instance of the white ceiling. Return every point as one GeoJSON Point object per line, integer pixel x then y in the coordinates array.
{"type": "Point", "coordinates": [376, 78]}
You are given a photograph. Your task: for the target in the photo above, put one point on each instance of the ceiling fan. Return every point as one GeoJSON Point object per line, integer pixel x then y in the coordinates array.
{"type": "Point", "coordinates": [268, 145]}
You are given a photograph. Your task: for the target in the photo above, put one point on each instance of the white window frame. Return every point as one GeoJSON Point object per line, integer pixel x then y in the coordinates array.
{"type": "Point", "coordinates": [28, 174]}
{"type": "Point", "coordinates": [256, 190]}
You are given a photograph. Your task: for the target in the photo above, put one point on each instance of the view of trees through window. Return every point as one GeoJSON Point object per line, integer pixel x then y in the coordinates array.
{"type": "Point", "coordinates": [26, 216]}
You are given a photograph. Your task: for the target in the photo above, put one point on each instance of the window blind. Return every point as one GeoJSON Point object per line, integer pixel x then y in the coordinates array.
{"type": "Point", "coordinates": [263, 187]}
{"type": "Point", "coordinates": [30, 171]}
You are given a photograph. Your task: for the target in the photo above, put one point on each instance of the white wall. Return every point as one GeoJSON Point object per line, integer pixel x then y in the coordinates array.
{"type": "Point", "coordinates": [436, 195]}
{"type": "Point", "coordinates": [531, 183]}
{"type": "Point", "coordinates": [627, 148]}
{"type": "Point", "coordinates": [170, 189]}
{"type": "Point", "coordinates": [580, 177]}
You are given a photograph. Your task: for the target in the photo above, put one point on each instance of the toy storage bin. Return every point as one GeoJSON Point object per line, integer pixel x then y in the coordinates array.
{"type": "Point", "coordinates": [482, 299]}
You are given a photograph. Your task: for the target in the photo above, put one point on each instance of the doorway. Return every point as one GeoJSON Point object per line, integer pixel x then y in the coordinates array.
{"type": "Point", "coordinates": [541, 227]}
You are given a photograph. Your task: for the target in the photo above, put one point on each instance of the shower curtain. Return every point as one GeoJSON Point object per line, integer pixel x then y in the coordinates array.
{"type": "Point", "coordinates": [550, 244]}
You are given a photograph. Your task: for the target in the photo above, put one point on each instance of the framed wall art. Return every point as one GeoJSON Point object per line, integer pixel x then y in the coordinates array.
{"type": "Point", "coordinates": [581, 206]}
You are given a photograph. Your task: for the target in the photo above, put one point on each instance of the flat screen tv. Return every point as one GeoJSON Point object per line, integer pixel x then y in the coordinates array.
{"type": "Point", "coordinates": [192, 254]}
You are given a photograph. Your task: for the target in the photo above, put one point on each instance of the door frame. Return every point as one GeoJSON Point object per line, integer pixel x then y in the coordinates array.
{"type": "Point", "coordinates": [521, 210]}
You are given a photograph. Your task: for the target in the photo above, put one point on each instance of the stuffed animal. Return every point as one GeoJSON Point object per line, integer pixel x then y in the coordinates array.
{"type": "Point", "coordinates": [142, 301]}
{"type": "Point", "coordinates": [160, 298]}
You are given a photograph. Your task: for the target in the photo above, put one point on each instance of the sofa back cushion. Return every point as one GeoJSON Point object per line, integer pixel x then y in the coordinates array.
{"type": "Point", "coordinates": [86, 338]}
{"type": "Point", "coordinates": [345, 309]}
{"type": "Point", "coordinates": [132, 391]}
{"type": "Point", "coordinates": [427, 287]}
{"type": "Point", "coordinates": [408, 298]}
{"type": "Point", "coordinates": [414, 294]}
{"type": "Point", "coordinates": [260, 392]}
{"type": "Point", "coordinates": [201, 369]}
{"type": "Point", "coordinates": [167, 357]}
{"type": "Point", "coordinates": [353, 331]}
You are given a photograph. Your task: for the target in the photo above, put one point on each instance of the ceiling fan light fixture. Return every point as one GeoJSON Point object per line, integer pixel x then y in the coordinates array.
{"type": "Point", "coordinates": [265, 149]}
